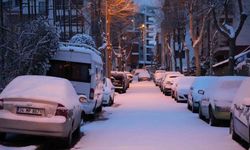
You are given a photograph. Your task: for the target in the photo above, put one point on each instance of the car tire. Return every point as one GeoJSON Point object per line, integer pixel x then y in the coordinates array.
{"type": "Point", "coordinates": [99, 109]}
{"type": "Point", "coordinates": [188, 106]}
{"type": "Point", "coordinates": [78, 132]}
{"type": "Point", "coordinates": [2, 136]}
{"type": "Point", "coordinates": [212, 120]}
{"type": "Point", "coordinates": [201, 115]}
{"type": "Point", "coordinates": [234, 135]}
{"type": "Point", "coordinates": [110, 101]}
{"type": "Point", "coordinates": [193, 108]}
{"type": "Point", "coordinates": [67, 142]}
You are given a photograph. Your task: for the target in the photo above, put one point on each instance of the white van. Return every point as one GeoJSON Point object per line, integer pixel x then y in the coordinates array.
{"type": "Point", "coordinates": [83, 66]}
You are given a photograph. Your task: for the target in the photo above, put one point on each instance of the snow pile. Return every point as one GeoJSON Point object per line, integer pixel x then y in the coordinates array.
{"type": "Point", "coordinates": [45, 88]}
{"type": "Point", "coordinates": [83, 39]}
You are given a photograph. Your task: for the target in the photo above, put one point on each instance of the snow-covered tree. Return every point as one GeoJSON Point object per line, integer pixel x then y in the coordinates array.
{"type": "Point", "coordinates": [229, 32]}
{"type": "Point", "coordinates": [27, 49]}
{"type": "Point", "coordinates": [83, 39]}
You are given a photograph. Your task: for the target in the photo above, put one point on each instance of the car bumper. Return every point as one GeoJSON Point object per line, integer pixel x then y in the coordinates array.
{"type": "Point", "coordinates": [222, 115]}
{"type": "Point", "coordinates": [56, 126]}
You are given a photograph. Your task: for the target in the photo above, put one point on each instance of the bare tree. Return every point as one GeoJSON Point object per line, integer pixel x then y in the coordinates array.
{"type": "Point", "coordinates": [27, 49]}
{"type": "Point", "coordinates": [198, 12]}
{"type": "Point", "coordinates": [228, 31]}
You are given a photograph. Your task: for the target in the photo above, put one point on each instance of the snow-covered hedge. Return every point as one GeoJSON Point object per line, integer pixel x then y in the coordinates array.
{"type": "Point", "coordinates": [83, 39]}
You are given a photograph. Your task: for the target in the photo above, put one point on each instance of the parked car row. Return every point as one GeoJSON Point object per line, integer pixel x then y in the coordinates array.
{"type": "Point", "coordinates": [216, 99]}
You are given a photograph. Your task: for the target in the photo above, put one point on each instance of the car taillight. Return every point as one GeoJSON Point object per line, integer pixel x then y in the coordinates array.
{"type": "Point", "coordinates": [1, 104]}
{"type": "Point", "coordinates": [91, 93]}
{"type": "Point", "coordinates": [62, 111]}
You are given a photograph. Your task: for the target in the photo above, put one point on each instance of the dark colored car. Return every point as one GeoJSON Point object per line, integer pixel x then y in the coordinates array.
{"type": "Point", "coordinates": [118, 79]}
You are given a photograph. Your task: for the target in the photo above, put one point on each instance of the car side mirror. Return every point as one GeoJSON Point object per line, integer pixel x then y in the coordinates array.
{"type": "Point", "coordinates": [83, 99]}
{"type": "Point", "coordinates": [201, 92]}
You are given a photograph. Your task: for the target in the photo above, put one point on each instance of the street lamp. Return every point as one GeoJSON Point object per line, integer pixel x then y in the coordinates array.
{"type": "Point", "coordinates": [143, 28]}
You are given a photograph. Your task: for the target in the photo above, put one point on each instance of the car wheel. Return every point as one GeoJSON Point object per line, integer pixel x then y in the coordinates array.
{"type": "Point", "coordinates": [234, 135]}
{"type": "Point", "coordinates": [99, 109]}
{"type": "Point", "coordinates": [188, 106]}
{"type": "Point", "coordinates": [212, 120]}
{"type": "Point", "coordinates": [78, 131]}
{"type": "Point", "coordinates": [110, 101]}
{"type": "Point", "coordinates": [201, 115]}
{"type": "Point", "coordinates": [2, 136]}
{"type": "Point", "coordinates": [194, 110]}
{"type": "Point", "coordinates": [67, 142]}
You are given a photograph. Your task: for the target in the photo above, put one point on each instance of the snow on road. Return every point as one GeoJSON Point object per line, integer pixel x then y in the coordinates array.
{"type": "Point", "coordinates": [145, 119]}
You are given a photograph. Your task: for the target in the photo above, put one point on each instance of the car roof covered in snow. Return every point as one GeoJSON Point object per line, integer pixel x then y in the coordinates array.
{"type": "Point", "coordinates": [45, 88]}
{"type": "Point", "coordinates": [225, 87]}
{"type": "Point", "coordinates": [82, 49]}
{"type": "Point", "coordinates": [243, 94]}
{"type": "Point", "coordinates": [203, 81]}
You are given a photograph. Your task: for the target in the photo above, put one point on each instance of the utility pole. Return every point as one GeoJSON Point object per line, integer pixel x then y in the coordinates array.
{"type": "Point", "coordinates": [109, 48]}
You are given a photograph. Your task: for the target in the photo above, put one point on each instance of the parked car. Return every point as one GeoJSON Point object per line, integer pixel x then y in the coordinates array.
{"type": "Point", "coordinates": [83, 66]}
{"type": "Point", "coordinates": [129, 76]}
{"type": "Point", "coordinates": [197, 91]}
{"type": "Point", "coordinates": [108, 92]}
{"type": "Point", "coordinates": [217, 102]}
{"type": "Point", "coordinates": [144, 76]}
{"type": "Point", "coordinates": [164, 76]}
{"type": "Point", "coordinates": [40, 105]}
{"type": "Point", "coordinates": [168, 82]}
{"type": "Point", "coordinates": [182, 88]}
{"type": "Point", "coordinates": [240, 112]}
{"type": "Point", "coordinates": [158, 76]}
{"type": "Point", "coordinates": [118, 79]}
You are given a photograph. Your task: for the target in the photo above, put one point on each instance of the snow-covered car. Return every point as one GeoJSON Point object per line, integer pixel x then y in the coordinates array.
{"type": "Point", "coordinates": [144, 76]}
{"type": "Point", "coordinates": [168, 82]}
{"type": "Point", "coordinates": [217, 102]}
{"type": "Point", "coordinates": [129, 76]}
{"type": "Point", "coordinates": [183, 85]}
{"type": "Point", "coordinates": [197, 91]}
{"type": "Point", "coordinates": [158, 76]}
{"type": "Point", "coordinates": [40, 105]}
{"type": "Point", "coordinates": [119, 80]}
{"type": "Point", "coordinates": [108, 92]}
{"type": "Point", "coordinates": [164, 76]}
{"type": "Point", "coordinates": [240, 112]}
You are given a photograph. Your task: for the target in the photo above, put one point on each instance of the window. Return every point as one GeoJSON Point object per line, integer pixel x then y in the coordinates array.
{"type": "Point", "coordinates": [70, 70]}
{"type": "Point", "coordinates": [42, 7]}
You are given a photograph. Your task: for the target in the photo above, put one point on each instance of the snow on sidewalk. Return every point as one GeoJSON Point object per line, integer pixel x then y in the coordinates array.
{"type": "Point", "coordinates": [145, 119]}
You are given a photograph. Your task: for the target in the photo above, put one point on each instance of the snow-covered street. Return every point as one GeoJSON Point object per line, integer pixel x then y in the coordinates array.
{"type": "Point", "coordinates": [141, 119]}
{"type": "Point", "coordinates": [145, 119]}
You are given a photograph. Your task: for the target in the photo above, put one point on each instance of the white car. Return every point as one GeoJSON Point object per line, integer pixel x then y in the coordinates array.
{"type": "Point", "coordinates": [197, 91]}
{"type": "Point", "coordinates": [240, 112]}
{"type": "Point", "coordinates": [168, 82]}
{"type": "Point", "coordinates": [40, 105]}
{"type": "Point", "coordinates": [158, 76]}
{"type": "Point", "coordinates": [183, 85]}
{"type": "Point", "coordinates": [144, 76]}
{"type": "Point", "coordinates": [108, 92]}
{"type": "Point", "coordinates": [216, 105]}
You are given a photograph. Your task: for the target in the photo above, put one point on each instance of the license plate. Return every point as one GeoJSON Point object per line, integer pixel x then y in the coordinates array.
{"type": "Point", "coordinates": [30, 111]}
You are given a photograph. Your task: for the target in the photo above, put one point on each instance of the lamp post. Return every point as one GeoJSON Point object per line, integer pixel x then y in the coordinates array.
{"type": "Point", "coordinates": [143, 28]}
{"type": "Point", "coordinates": [109, 47]}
